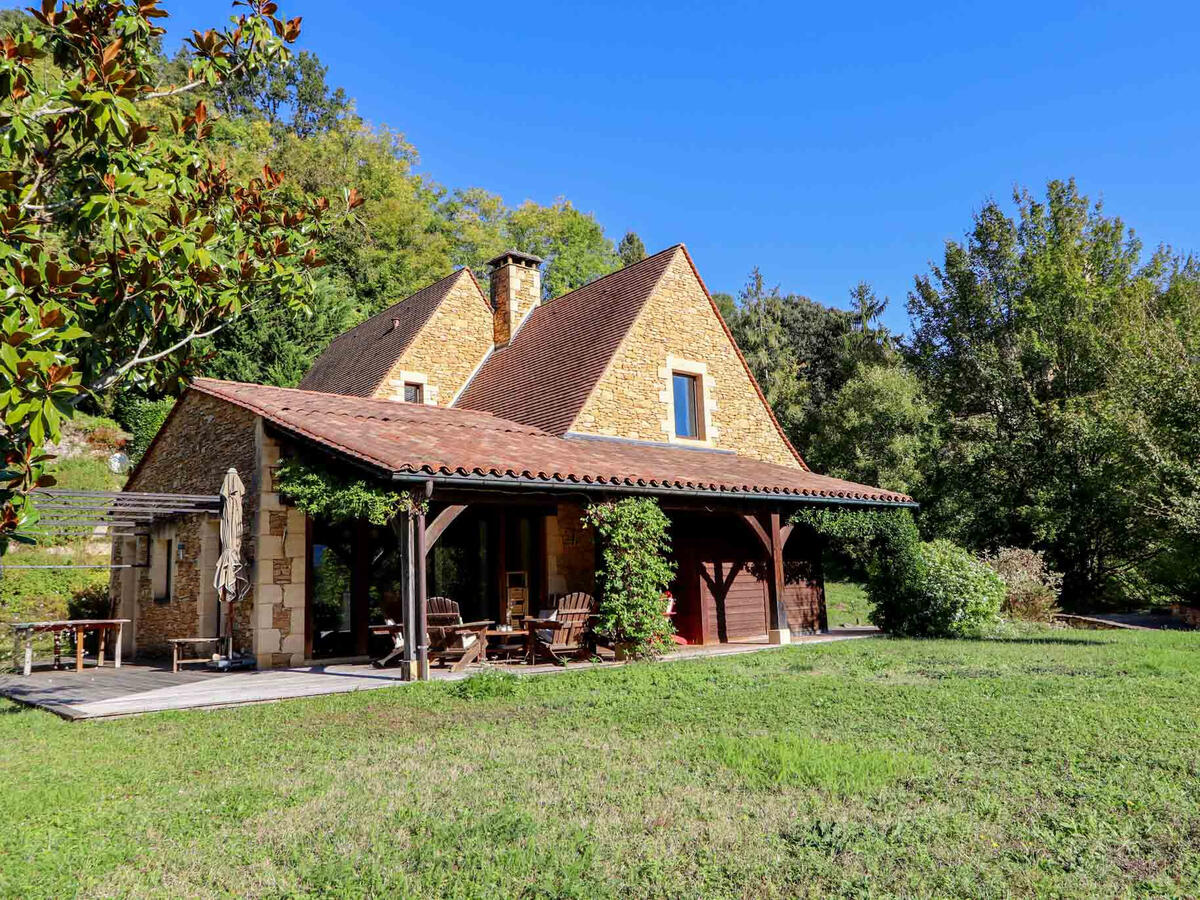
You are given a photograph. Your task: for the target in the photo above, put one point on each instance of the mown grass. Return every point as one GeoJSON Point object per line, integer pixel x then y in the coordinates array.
{"type": "Point", "coordinates": [1058, 763]}
{"type": "Point", "coordinates": [846, 603]}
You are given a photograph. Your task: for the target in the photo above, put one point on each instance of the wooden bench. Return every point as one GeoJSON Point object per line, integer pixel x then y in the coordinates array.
{"type": "Point", "coordinates": [177, 643]}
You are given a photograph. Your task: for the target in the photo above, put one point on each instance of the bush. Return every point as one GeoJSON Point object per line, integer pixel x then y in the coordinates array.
{"type": "Point", "coordinates": [142, 419]}
{"type": "Point", "coordinates": [1031, 586]}
{"type": "Point", "coordinates": [633, 574]}
{"type": "Point", "coordinates": [942, 591]}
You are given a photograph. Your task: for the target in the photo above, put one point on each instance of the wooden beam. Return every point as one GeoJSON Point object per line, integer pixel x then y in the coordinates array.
{"type": "Point", "coordinates": [776, 586]}
{"type": "Point", "coordinates": [440, 523]}
{"type": "Point", "coordinates": [420, 631]}
{"type": "Point", "coordinates": [756, 526]}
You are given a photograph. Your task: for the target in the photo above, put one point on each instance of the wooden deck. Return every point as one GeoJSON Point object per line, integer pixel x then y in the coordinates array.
{"type": "Point", "coordinates": [136, 689]}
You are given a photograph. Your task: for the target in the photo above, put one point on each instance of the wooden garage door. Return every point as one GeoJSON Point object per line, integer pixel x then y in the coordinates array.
{"type": "Point", "coordinates": [735, 600]}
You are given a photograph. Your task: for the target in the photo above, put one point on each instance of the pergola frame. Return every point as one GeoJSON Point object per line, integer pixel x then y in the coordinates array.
{"type": "Point", "coordinates": [124, 513]}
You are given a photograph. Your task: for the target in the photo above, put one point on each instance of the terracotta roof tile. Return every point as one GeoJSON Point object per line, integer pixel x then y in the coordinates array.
{"type": "Point", "coordinates": [471, 445]}
{"type": "Point", "coordinates": [545, 374]}
{"type": "Point", "coordinates": [356, 362]}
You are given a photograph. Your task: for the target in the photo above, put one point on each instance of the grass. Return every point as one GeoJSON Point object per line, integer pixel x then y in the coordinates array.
{"type": "Point", "coordinates": [846, 603]}
{"type": "Point", "coordinates": [1051, 763]}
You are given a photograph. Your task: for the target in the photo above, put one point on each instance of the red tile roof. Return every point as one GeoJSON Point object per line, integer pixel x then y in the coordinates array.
{"type": "Point", "coordinates": [546, 373]}
{"type": "Point", "coordinates": [477, 447]}
{"type": "Point", "coordinates": [358, 360]}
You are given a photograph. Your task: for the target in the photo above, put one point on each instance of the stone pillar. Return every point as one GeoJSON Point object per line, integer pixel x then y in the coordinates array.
{"type": "Point", "coordinates": [280, 566]}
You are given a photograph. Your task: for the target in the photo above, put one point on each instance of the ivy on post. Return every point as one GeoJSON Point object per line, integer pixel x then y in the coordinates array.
{"type": "Point", "coordinates": [321, 492]}
{"type": "Point", "coordinates": [633, 574]}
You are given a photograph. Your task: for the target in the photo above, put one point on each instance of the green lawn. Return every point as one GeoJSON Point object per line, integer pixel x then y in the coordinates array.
{"type": "Point", "coordinates": [846, 603]}
{"type": "Point", "coordinates": [1061, 764]}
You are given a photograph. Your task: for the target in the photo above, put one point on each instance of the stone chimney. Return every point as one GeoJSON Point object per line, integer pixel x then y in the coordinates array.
{"type": "Point", "coordinates": [516, 290]}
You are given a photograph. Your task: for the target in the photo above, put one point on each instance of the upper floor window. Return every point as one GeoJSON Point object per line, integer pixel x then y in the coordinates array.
{"type": "Point", "coordinates": [413, 392]}
{"type": "Point", "coordinates": [686, 388]}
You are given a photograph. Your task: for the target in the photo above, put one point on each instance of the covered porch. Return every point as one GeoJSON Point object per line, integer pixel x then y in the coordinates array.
{"type": "Point", "coordinates": [741, 575]}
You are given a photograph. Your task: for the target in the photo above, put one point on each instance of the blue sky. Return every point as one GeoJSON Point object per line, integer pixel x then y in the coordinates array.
{"type": "Point", "coordinates": [825, 143]}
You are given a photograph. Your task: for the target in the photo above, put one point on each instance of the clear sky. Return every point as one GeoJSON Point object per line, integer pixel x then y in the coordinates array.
{"type": "Point", "coordinates": [825, 143]}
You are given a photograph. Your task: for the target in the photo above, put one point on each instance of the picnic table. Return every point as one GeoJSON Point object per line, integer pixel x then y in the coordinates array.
{"type": "Point", "coordinates": [27, 630]}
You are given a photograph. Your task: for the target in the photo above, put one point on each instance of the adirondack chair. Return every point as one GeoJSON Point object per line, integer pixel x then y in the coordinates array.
{"type": "Point", "coordinates": [452, 641]}
{"type": "Point", "coordinates": [565, 632]}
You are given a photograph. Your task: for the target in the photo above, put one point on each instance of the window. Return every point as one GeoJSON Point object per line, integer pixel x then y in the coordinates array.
{"type": "Point", "coordinates": [413, 392]}
{"type": "Point", "coordinates": [686, 390]}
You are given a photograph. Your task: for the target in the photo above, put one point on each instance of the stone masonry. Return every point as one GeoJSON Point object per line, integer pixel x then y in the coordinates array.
{"type": "Point", "coordinates": [679, 329]}
{"type": "Point", "coordinates": [278, 574]}
{"type": "Point", "coordinates": [516, 290]}
{"type": "Point", "coordinates": [570, 552]}
{"type": "Point", "coordinates": [448, 349]}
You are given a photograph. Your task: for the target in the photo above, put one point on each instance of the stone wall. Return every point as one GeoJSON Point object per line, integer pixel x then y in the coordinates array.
{"type": "Point", "coordinates": [448, 349]}
{"type": "Point", "coordinates": [570, 552]}
{"type": "Point", "coordinates": [177, 615]}
{"type": "Point", "coordinates": [203, 437]}
{"type": "Point", "coordinates": [278, 573]}
{"type": "Point", "coordinates": [678, 328]}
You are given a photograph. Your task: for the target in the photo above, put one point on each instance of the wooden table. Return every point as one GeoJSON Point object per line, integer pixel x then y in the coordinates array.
{"type": "Point", "coordinates": [521, 634]}
{"type": "Point", "coordinates": [79, 626]}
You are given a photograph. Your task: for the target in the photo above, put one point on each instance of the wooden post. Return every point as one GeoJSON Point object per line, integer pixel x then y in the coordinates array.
{"type": "Point", "coordinates": [78, 648]}
{"type": "Point", "coordinates": [28, 651]}
{"type": "Point", "coordinates": [421, 631]}
{"type": "Point", "coordinates": [360, 587]}
{"type": "Point", "coordinates": [101, 636]}
{"type": "Point", "coordinates": [117, 649]}
{"type": "Point", "coordinates": [780, 634]}
{"type": "Point", "coordinates": [408, 600]}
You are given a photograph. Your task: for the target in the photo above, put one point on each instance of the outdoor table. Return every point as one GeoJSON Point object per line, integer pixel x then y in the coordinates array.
{"type": "Point", "coordinates": [507, 639]}
{"type": "Point", "coordinates": [79, 626]}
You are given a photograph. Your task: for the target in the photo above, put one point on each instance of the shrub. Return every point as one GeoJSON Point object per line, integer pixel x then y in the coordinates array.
{"type": "Point", "coordinates": [942, 591]}
{"type": "Point", "coordinates": [1031, 586]}
{"type": "Point", "coordinates": [142, 419]}
{"type": "Point", "coordinates": [633, 574]}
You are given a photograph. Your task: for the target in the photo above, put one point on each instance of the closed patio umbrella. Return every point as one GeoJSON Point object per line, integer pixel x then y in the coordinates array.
{"type": "Point", "coordinates": [229, 563]}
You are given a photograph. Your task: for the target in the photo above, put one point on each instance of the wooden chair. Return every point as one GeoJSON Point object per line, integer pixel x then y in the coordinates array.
{"type": "Point", "coordinates": [452, 641]}
{"type": "Point", "coordinates": [566, 633]}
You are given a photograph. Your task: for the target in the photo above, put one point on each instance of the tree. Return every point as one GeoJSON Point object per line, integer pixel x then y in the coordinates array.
{"type": "Point", "coordinates": [878, 429]}
{"type": "Point", "coordinates": [758, 327]}
{"type": "Point", "coordinates": [290, 94]}
{"type": "Point", "coordinates": [571, 242]}
{"type": "Point", "coordinates": [1050, 350]}
{"type": "Point", "coordinates": [123, 240]}
{"type": "Point", "coordinates": [631, 249]}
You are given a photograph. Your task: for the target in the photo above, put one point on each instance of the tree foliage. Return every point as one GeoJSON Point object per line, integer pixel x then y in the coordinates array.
{"type": "Point", "coordinates": [633, 573]}
{"type": "Point", "coordinates": [631, 249]}
{"type": "Point", "coordinates": [124, 239]}
{"type": "Point", "coordinates": [1055, 356]}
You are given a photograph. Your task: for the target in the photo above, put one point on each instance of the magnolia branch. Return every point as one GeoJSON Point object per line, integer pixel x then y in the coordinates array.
{"type": "Point", "coordinates": [114, 373]}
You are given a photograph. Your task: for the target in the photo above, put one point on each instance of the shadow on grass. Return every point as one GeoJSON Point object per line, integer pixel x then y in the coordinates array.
{"type": "Point", "coordinates": [1038, 640]}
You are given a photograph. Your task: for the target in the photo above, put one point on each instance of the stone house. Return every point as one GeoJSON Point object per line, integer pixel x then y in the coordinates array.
{"type": "Point", "coordinates": [510, 413]}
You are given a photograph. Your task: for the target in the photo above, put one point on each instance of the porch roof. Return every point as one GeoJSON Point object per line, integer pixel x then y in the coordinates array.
{"type": "Point", "coordinates": [477, 449]}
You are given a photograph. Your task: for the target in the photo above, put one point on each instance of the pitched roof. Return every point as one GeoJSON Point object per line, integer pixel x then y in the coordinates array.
{"type": "Point", "coordinates": [479, 449]}
{"type": "Point", "coordinates": [546, 373]}
{"type": "Point", "coordinates": [357, 361]}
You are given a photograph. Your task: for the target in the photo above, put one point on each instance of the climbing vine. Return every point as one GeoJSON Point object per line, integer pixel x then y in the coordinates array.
{"type": "Point", "coordinates": [321, 492]}
{"type": "Point", "coordinates": [633, 573]}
